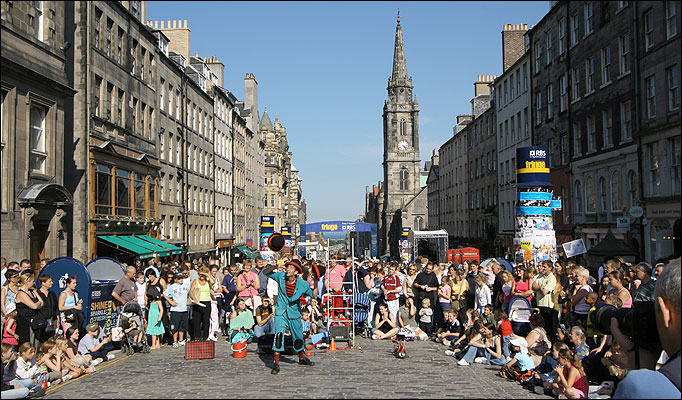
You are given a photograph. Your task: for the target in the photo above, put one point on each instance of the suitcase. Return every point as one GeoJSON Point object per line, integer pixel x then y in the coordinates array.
{"type": "Point", "coordinates": [200, 350]}
{"type": "Point", "coordinates": [265, 345]}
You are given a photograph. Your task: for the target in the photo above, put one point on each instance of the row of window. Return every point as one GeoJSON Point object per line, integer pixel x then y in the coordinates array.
{"type": "Point", "coordinates": [609, 192]}
{"type": "Point", "coordinates": [477, 199]}
{"type": "Point", "coordinates": [472, 229]}
{"type": "Point", "coordinates": [112, 40]}
{"type": "Point", "coordinates": [109, 104]}
{"type": "Point", "coordinates": [224, 218]}
{"type": "Point", "coordinates": [508, 92]}
{"type": "Point", "coordinates": [513, 129]}
{"type": "Point", "coordinates": [124, 193]}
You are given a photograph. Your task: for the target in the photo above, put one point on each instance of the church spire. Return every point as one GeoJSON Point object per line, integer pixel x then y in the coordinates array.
{"type": "Point", "coordinates": [399, 64]}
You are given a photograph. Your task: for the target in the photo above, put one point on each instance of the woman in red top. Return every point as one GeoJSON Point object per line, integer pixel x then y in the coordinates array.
{"type": "Point", "coordinates": [571, 382]}
{"type": "Point", "coordinates": [523, 283]}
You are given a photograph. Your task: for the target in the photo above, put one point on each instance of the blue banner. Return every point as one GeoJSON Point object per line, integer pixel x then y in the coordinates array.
{"type": "Point", "coordinates": [337, 226]}
{"type": "Point", "coordinates": [532, 166]}
{"type": "Point", "coordinates": [535, 196]}
{"type": "Point", "coordinates": [533, 211]}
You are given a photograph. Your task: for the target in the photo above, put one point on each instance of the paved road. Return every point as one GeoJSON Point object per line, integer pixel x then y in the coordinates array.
{"type": "Point", "coordinates": [367, 372]}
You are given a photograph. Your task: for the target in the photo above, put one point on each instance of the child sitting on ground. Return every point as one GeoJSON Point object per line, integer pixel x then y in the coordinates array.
{"type": "Point", "coordinates": [571, 382]}
{"type": "Point", "coordinates": [452, 329]}
{"type": "Point", "coordinates": [544, 374]}
{"type": "Point", "coordinates": [521, 366]}
{"type": "Point", "coordinates": [488, 317]}
{"type": "Point", "coordinates": [26, 368]}
{"type": "Point", "coordinates": [307, 325]}
{"type": "Point", "coordinates": [315, 316]}
{"type": "Point", "coordinates": [54, 360]}
{"type": "Point", "coordinates": [472, 317]}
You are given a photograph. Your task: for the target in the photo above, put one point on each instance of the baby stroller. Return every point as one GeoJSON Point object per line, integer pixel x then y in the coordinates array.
{"type": "Point", "coordinates": [132, 316]}
{"type": "Point", "coordinates": [361, 305]}
{"type": "Point", "coordinates": [519, 311]}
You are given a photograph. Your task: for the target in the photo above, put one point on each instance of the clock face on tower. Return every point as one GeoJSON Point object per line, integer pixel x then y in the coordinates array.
{"type": "Point", "coordinates": [402, 145]}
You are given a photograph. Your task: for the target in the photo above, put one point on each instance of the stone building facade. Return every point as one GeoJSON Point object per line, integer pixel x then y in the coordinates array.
{"type": "Point", "coordinates": [37, 96]}
{"type": "Point", "coordinates": [116, 167]}
{"type": "Point", "coordinates": [550, 76]}
{"type": "Point", "coordinates": [656, 64]}
{"type": "Point", "coordinates": [404, 198]}
{"type": "Point", "coordinates": [482, 159]}
{"type": "Point", "coordinates": [513, 130]}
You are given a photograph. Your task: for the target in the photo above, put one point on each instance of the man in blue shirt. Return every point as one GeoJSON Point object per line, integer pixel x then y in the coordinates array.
{"type": "Point", "coordinates": [664, 383]}
{"type": "Point", "coordinates": [288, 309]}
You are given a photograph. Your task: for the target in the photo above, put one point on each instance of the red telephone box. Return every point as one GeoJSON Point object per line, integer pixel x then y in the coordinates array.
{"type": "Point", "coordinates": [462, 254]}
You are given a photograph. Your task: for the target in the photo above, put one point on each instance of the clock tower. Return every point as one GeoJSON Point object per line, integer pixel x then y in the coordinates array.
{"type": "Point", "coordinates": [401, 160]}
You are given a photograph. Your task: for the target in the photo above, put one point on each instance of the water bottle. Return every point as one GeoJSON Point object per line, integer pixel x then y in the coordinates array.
{"type": "Point", "coordinates": [43, 378]}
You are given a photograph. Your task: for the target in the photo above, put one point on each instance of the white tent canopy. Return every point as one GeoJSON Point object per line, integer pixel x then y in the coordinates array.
{"type": "Point", "coordinates": [430, 234]}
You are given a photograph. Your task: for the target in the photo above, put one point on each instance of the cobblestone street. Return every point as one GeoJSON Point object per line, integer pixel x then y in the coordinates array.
{"type": "Point", "coordinates": [371, 371]}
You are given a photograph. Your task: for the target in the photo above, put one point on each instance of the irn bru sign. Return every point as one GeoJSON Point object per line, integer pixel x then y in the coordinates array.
{"type": "Point", "coordinates": [532, 166]}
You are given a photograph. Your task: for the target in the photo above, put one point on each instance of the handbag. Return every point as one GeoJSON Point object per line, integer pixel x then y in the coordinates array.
{"type": "Point", "coordinates": [50, 326]}
{"type": "Point", "coordinates": [38, 322]}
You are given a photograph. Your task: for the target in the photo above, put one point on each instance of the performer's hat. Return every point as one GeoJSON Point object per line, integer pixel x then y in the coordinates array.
{"type": "Point", "coordinates": [296, 263]}
{"type": "Point", "coordinates": [276, 242]}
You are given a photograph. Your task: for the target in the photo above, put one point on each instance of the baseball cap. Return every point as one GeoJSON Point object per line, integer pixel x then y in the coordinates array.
{"type": "Point", "coordinates": [93, 327]}
{"type": "Point", "coordinates": [179, 275]}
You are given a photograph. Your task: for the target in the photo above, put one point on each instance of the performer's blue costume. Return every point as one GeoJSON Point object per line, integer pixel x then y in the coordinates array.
{"type": "Point", "coordinates": [288, 311]}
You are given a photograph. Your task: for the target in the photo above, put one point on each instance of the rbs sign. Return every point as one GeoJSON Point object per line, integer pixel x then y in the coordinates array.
{"type": "Point", "coordinates": [532, 167]}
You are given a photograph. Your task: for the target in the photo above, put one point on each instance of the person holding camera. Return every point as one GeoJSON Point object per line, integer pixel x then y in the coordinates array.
{"type": "Point", "coordinates": [664, 383]}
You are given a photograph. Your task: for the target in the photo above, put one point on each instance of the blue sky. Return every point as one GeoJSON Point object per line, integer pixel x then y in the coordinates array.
{"type": "Point", "coordinates": [322, 69]}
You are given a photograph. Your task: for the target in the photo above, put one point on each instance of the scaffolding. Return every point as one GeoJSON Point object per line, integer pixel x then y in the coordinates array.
{"type": "Point", "coordinates": [347, 300]}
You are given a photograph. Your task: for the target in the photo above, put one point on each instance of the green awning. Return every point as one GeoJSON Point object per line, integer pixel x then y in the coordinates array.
{"type": "Point", "coordinates": [160, 251]}
{"type": "Point", "coordinates": [129, 247]}
{"type": "Point", "coordinates": [173, 249]}
{"type": "Point", "coordinates": [246, 251]}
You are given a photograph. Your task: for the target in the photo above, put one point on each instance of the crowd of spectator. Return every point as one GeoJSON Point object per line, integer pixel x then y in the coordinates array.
{"type": "Point", "coordinates": [463, 306]}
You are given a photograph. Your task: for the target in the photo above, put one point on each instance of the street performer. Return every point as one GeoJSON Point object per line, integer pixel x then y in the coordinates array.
{"type": "Point", "coordinates": [288, 309]}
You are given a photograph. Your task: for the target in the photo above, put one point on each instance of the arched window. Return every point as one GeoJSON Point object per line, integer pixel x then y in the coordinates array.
{"type": "Point", "coordinates": [577, 189]}
{"type": "Point", "coordinates": [418, 223]}
{"type": "Point", "coordinates": [616, 197]}
{"type": "Point", "coordinates": [403, 127]}
{"type": "Point", "coordinates": [632, 189]}
{"type": "Point", "coordinates": [590, 195]}
{"type": "Point", "coordinates": [403, 179]}
{"type": "Point", "coordinates": [602, 195]}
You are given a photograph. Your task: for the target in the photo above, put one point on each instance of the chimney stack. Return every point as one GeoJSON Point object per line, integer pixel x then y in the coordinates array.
{"type": "Point", "coordinates": [513, 44]}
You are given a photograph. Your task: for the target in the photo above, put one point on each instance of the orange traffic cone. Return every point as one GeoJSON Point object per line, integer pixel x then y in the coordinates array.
{"type": "Point", "coordinates": [332, 346]}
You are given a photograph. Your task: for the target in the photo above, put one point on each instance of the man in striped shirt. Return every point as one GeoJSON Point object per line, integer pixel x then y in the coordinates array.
{"type": "Point", "coordinates": [291, 289]}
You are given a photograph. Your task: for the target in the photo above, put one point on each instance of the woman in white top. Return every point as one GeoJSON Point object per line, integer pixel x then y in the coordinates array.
{"type": "Point", "coordinates": [580, 306]}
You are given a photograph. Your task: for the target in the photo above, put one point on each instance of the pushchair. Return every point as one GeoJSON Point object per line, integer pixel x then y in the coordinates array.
{"type": "Point", "coordinates": [361, 304]}
{"type": "Point", "coordinates": [519, 310]}
{"type": "Point", "coordinates": [132, 316]}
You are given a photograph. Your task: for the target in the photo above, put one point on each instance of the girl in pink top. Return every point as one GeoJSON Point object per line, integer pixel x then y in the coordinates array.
{"type": "Point", "coordinates": [571, 382]}
{"type": "Point", "coordinates": [9, 335]}
{"type": "Point", "coordinates": [616, 279]}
